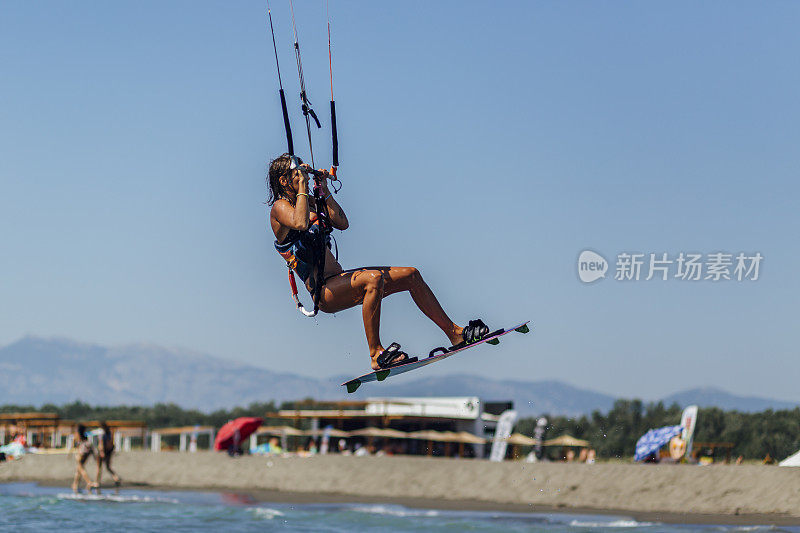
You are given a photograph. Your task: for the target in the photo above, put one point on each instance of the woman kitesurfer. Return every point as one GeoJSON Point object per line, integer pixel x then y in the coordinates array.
{"type": "Point", "coordinates": [295, 226]}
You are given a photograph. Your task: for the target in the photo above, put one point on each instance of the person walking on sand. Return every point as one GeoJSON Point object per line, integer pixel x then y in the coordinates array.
{"type": "Point", "coordinates": [104, 453]}
{"type": "Point", "coordinates": [85, 450]}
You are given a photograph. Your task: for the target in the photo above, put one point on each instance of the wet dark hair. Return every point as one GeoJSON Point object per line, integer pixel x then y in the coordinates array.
{"type": "Point", "coordinates": [278, 167]}
{"type": "Point", "coordinates": [105, 427]}
{"type": "Point", "coordinates": [82, 431]}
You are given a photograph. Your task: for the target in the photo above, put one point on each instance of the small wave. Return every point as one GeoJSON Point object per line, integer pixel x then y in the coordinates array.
{"type": "Point", "coordinates": [117, 498]}
{"type": "Point", "coordinates": [613, 523]}
{"type": "Point", "coordinates": [393, 510]}
{"type": "Point", "coordinates": [266, 513]}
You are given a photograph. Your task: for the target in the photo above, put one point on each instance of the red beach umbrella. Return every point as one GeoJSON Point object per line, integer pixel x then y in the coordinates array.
{"type": "Point", "coordinates": [246, 425]}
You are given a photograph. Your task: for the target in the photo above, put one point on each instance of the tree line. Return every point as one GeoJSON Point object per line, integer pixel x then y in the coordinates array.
{"type": "Point", "coordinates": [612, 434]}
{"type": "Point", "coordinates": [162, 415]}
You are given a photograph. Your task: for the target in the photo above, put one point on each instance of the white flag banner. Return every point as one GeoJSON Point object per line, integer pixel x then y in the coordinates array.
{"type": "Point", "coordinates": [504, 426]}
{"type": "Point", "coordinates": [688, 422]}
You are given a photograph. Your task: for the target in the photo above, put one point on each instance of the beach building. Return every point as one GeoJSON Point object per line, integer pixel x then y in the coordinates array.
{"type": "Point", "coordinates": [40, 429]}
{"type": "Point", "coordinates": [432, 426]}
{"type": "Point", "coordinates": [48, 430]}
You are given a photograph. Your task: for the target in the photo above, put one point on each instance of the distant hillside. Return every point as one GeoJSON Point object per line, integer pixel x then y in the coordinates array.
{"type": "Point", "coordinates": [711, 397]}
{"type": "Point", "coordinates": [36, 370]}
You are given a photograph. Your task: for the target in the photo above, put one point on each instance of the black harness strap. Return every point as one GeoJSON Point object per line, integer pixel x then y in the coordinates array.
{"type": "Point", "coordinates": [334, 133]}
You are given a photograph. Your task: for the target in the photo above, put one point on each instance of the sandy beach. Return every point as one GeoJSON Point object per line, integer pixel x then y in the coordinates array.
{"type": "Point", "coordinates": [712, 494]}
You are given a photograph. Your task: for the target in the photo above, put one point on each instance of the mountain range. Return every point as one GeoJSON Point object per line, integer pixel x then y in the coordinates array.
{"type": "Point", "coordinates": [36, 370]}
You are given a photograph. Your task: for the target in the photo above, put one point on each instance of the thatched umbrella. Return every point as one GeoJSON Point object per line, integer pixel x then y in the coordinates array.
{"type": "Point", "coordinates": [279, 430]}
{"type": "Point", "coordinates": [468, 438]}
{"type": "Point", "coordinates": [518, 439]}
{"type": "Point", "coordinates": [284, 432]}
{"type": "Point", "coordinates": [379, 432]}
{"type": "Point", "coordinates": [567, 440]}
{"type": "Point", "coordinates": [447, 437]}
{"type": "Point", "coordinates": [338, 433]}
{"type": "Point", "coordinates": [427, 435]}
{"type": "Point", "coordinates": [464, 437]}
{"type": "Point", "coordinates": [382, 433]}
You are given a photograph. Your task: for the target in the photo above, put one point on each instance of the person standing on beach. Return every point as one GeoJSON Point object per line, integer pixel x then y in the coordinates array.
{"type": "Point", "coordinates": [85, 450]}
{"type": "Point", "coordinates": [104, 453]}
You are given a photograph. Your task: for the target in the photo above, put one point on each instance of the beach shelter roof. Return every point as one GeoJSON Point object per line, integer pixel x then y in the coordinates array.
{"type": "Point", "coordinates": [428, 434]}
{"type": "Point", "coordinates": [331, 432]}
{"type": "Point", "coordinates": [518, 439]}
{"type": "Point", "coordinates": [654, 439]}
{"type": "Point", "coordinates": [792, 460]}
{"type": "Point", "coordinates": [567, 440]}
{"type": "Point", "coordinates": [279, 430]}
{"type": "Point", "coordinates": [446, 436]}
{"type": "Point", "coordinates": [469, 438]}
{"type": "Point", "coordinates": [177, 430]}
{"type": "Point", "coordinates": [379, 432]}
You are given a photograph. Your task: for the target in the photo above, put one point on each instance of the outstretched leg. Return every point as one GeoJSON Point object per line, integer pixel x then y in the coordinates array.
{"type": "Point", "coordinates": [409, 279]}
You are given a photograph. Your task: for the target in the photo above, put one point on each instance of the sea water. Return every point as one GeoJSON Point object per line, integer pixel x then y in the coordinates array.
{"type": "Point", "coordinates": [30, 507]}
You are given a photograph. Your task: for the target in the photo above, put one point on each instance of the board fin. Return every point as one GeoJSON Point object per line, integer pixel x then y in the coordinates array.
{"type": "Point", "coordinates": [382, 374]}
{"type": "Point", "coordinates": [493, 342]}
{"type": "Point", "coordinates": [353, 386]}
{"type": "Point", "coordinates": [523, 328]}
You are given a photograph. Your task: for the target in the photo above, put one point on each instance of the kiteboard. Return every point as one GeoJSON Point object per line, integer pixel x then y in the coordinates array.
{"type": "Point", "coordinates": [380, 375]}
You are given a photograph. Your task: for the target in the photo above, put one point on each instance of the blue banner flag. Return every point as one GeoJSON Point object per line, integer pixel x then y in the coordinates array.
{"type": "Point", "coordinates": [654, 439]}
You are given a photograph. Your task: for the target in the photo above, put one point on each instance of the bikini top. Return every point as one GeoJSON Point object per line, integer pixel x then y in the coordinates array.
{"type": "Point", "coordinates": [299, 249]}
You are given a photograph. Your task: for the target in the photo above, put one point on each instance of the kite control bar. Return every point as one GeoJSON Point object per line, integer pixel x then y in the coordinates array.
{"type": "Point", "coordinates": [295, 164]}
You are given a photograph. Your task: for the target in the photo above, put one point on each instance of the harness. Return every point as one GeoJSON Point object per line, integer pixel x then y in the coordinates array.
{"type": "Point", "coordinates": [305, 251]}
{"type": "Point", "coordinates": [301, 251]}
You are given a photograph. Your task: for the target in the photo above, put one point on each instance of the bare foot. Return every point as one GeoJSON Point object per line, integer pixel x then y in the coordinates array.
{"type": "Point", "coordinates": [374, 357]}
{"type": "Point", "coordinates": [456, 337]}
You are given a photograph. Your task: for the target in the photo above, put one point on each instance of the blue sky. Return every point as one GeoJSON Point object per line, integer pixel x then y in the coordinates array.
{"type": "Point", "coordinates": [486, 144]}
